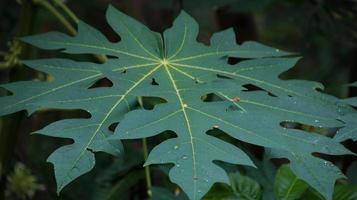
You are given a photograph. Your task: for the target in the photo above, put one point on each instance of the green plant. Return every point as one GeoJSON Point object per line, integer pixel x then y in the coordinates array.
{"type": "Point", "coordinates": [21, 183]}
{"type": "Point", "coordinates": [195, 89]}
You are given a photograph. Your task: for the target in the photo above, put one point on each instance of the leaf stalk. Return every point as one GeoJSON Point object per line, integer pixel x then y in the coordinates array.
{"type": "Point", "coordinates": [53, 10]}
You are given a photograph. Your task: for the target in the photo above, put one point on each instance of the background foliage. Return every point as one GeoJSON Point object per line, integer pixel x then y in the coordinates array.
{"type": "Point", "coordinates": [324, 32]}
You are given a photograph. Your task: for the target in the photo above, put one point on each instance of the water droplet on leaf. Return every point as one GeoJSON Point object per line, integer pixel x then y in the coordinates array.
{"type": "Point", "coordinates": [215, 126]}
{"type": "Point", "coordinates": [236, 99]}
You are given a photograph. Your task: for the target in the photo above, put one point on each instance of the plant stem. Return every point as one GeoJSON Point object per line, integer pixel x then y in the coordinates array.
{"type": "Point", "coordinates": [58, 15]}
{"type": "Point", "coordinates": [10, 124]}
{"type": "Point", "coordinates": [64, 21]}
{"type": "Point", "coordinates": [145, 152]}
{"type": "Point", "coordinates": [147, 169]}
{"type": "Point", "coordinates": [66, 10]}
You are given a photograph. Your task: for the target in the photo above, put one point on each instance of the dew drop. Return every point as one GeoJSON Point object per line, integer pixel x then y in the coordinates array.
{"type": "Point", "coordinates": [177, 191]}
{"type": "Point", "coordinates": [178, 165]}
{"type": "Point", "coordinates": [184, 105]}
{"type": "Point", "coordinates": [325, 148]}
{"type": "Point", "coordinates": [317, 121]}
{"type": "Point", "coordinates": [315, 141]}
{"type": "Point", "coordinates": [215, 126]}
{"type": "Point", "coordinates": [199, 191]}
{"type": "Point", "coordinates": [184, 157]}
{"type": "Point", "coordinates": [236, 99]}
{"type": "Point", "coordinates": [277, 50]}
{"type": "Point", "coordinates": [206, 180]}
{"type": "Point", "coordinates": [340, 110]}
{"type": "Point", "coordinates": [176, 147]}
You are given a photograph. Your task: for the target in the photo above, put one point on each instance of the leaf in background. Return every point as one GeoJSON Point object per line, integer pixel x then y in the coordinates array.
{"type": "Point", "coordinates": [345, 192]}
{"type": "Point", "coordinates": [242, 188]}
{"type": "Point", "coordinates": [120, 188]}
{"type": "Point", "coordinates": [349, 131]}
{"type": "Point", "coordinates": [354, 84]}
{"type": "Point", "coordinates": [181, 71]}
{"type": "Point", "coordinates": [318, 173]}
{"type": "Point", "coordinates": [164, 194]}
{"type": "Point", "coordinates": [264, 174]}
{"type": "Point", "coordinates": [21, 184]}
{"type": "Point", "coordinates": [245, 187]}
{"type": "Point", "coordinates": [287, 185]}
{"type": "Point", "coordinates": [352, 172]}
{"type": "Point", "coordinates": [352, 100]}
{"type": "Point", "coordinates": [341, 192]}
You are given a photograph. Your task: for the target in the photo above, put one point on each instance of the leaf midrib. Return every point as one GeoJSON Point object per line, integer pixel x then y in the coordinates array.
{"type": "Point", "coordinates": [237, 75]}
{"type": "Point", "coordinates": [290, 188]}
{"type": "Point", "coordinates": [183, 107]}
{"type": "Point", "coordinates": [108, 114]}
{"type": "Point", "coordinates": [252, 102]}
{"type": "Point", "coordinates": [73, 82]}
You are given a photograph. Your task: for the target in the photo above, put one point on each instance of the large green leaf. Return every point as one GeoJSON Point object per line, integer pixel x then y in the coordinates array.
{"type": "Point", "coordinates": [178, 69]}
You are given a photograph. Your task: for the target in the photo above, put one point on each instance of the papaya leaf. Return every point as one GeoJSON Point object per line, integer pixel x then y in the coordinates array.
{"type": "Point", "coordinates": [182, 71]}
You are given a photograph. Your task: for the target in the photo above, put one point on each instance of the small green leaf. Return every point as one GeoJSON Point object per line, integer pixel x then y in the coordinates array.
{"type": "Point", "coordinates": [164, 194]}
{"type": "Point", "coordinates": [345, 192]}
{"type": "Point", "coordinates": [350, 130]}
{"type": "Point", "coordinates": [287, 186]}
{"type": "Point", "coordinates": [318, 173]}
{"type": "Point", "coordinates": [352, 100]}
{"type": "Point", "coordinates": [264, 174]}
{"type": "Point", "coordinates": [242, 188]}
{"type": "Point", "coordinates": [354, 84]}
{"type": "Point", "coordinates": [352, 172]}
{"type": "Point", "coordinates": [341, 192]}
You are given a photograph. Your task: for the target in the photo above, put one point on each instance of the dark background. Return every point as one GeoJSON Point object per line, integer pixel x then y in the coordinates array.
{"type": "Point", "coordinates": [324, 32]}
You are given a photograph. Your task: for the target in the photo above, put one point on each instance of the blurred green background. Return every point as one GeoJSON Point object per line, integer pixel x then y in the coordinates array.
{"type": "Point", "coordinates": [323, 32]}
